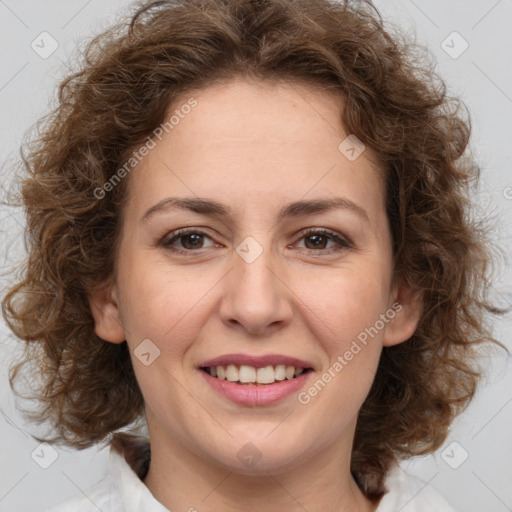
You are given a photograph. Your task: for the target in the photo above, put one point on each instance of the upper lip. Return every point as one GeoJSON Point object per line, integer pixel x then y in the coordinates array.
{"type": "Point", "coordinates": [256, 361]}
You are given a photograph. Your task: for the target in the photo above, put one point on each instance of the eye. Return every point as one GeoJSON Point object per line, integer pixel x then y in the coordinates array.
{"type": "Point", "coordinates": [318, 240]}
{"type": "Point", "coordinates": [187, 240]}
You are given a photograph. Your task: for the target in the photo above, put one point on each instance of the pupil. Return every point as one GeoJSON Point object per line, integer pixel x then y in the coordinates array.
{"type": "Point", "coordinates": [317, 243]}
{"type": "Point", "coordinates": [195, 238]}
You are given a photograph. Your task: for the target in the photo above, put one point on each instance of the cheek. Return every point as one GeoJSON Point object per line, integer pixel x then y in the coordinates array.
{"type": "Point", "coordinates": [343, 312]}
{"type": "Point", "coordinates": [163, 304]}
{"type": "Point", "coordinates": [340, 305]}
{"type": "Point", "coordinates": [342, 318]}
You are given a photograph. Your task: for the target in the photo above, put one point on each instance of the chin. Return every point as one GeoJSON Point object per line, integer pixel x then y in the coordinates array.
{"type": "Point", "coordinates": [260, 458]}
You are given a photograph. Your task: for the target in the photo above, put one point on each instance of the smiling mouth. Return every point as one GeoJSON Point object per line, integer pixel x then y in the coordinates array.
{"type": "Point", "coordinates": [245, 374]}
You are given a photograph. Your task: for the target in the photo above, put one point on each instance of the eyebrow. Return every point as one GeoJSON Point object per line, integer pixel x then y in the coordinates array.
{"type": "Point", "coordinates": [291, 210]}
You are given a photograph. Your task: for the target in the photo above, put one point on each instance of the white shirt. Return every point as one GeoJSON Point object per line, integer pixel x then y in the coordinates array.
{"type": "Point", "coordinates": [123, 491]}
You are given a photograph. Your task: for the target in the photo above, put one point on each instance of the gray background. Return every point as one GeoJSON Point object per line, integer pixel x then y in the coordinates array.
{"type": "Point", "coordinates": [481, 75]}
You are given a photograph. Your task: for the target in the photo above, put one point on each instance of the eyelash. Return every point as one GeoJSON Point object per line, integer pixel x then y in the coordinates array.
{"type": "Point", "coordinates": [172, 237]}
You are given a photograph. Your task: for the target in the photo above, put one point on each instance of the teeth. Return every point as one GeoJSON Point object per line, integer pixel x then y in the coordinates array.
{"type": "Point", "coordinates": [265, 375]}
{"type": "Point", "coordinates": [232, 373]}
{"type": "Point", "coordinates": [245, 374]}
{"type": "Point", "coordinates": [280, 372]}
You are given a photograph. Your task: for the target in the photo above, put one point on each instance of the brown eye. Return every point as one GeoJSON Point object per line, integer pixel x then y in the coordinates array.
{"type": "Point", "coordinates": [316, 241]}
{"type": "Point", "coordinates": [186, 241]}
{"type": "Point", "coordinates": [191, 241]}
{"type": "Point", "coordinates": [321, 240]}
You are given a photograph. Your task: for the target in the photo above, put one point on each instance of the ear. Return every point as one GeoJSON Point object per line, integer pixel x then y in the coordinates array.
{"type": "Point", "coordinates": [105, 310]}
{"type": "Point", "coordinates": [407, 307]}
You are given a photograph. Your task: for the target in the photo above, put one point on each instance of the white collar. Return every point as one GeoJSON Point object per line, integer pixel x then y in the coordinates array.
{"type": "Point", "coordinates": [128, 492]}
{"type": "Point", "coordinates": [128, 488]}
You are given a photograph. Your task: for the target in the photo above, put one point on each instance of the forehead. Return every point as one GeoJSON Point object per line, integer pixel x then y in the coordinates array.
{"type": "Point", "coordinates": [279, 113]}
{"type": "Point", "coordinates": [245, 141]}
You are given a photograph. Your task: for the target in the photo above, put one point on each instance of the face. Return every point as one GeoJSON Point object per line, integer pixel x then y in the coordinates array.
{"type": "Point", "coordinates": [253, 247]}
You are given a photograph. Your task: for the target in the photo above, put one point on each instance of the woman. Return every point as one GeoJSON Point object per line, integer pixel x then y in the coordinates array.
{"type": "Point", "coordinates": [248, 232]}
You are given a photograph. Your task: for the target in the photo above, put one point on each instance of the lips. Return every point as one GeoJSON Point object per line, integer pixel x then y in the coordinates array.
{"type": "Point", "coordinates": [247, 369]}
{"type": "Point", "coordinates": [245, 374]}
{"type": "Point", "coordinates": [256, 361]}
{"type": "Point", "coordinates": [256, 380]}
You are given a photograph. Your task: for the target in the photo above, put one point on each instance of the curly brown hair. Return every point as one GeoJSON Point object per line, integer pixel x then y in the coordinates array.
{"type": "Point", "coordinates": [395, 103]}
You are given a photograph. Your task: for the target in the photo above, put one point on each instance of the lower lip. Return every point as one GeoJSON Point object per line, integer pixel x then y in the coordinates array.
{"type": "Point", "coordinates": [252, 394]}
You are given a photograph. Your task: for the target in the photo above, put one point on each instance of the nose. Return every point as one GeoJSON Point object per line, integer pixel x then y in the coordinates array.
{"type": "Point", "coordinates": [256, 298]}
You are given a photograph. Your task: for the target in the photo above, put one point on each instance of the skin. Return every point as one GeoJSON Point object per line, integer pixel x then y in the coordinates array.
{"type": "Point", "coordinates": [254, 147]}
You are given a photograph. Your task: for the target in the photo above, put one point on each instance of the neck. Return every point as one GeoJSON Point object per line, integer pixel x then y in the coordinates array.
{"type": "Point", "coordinates": [182, 480]}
